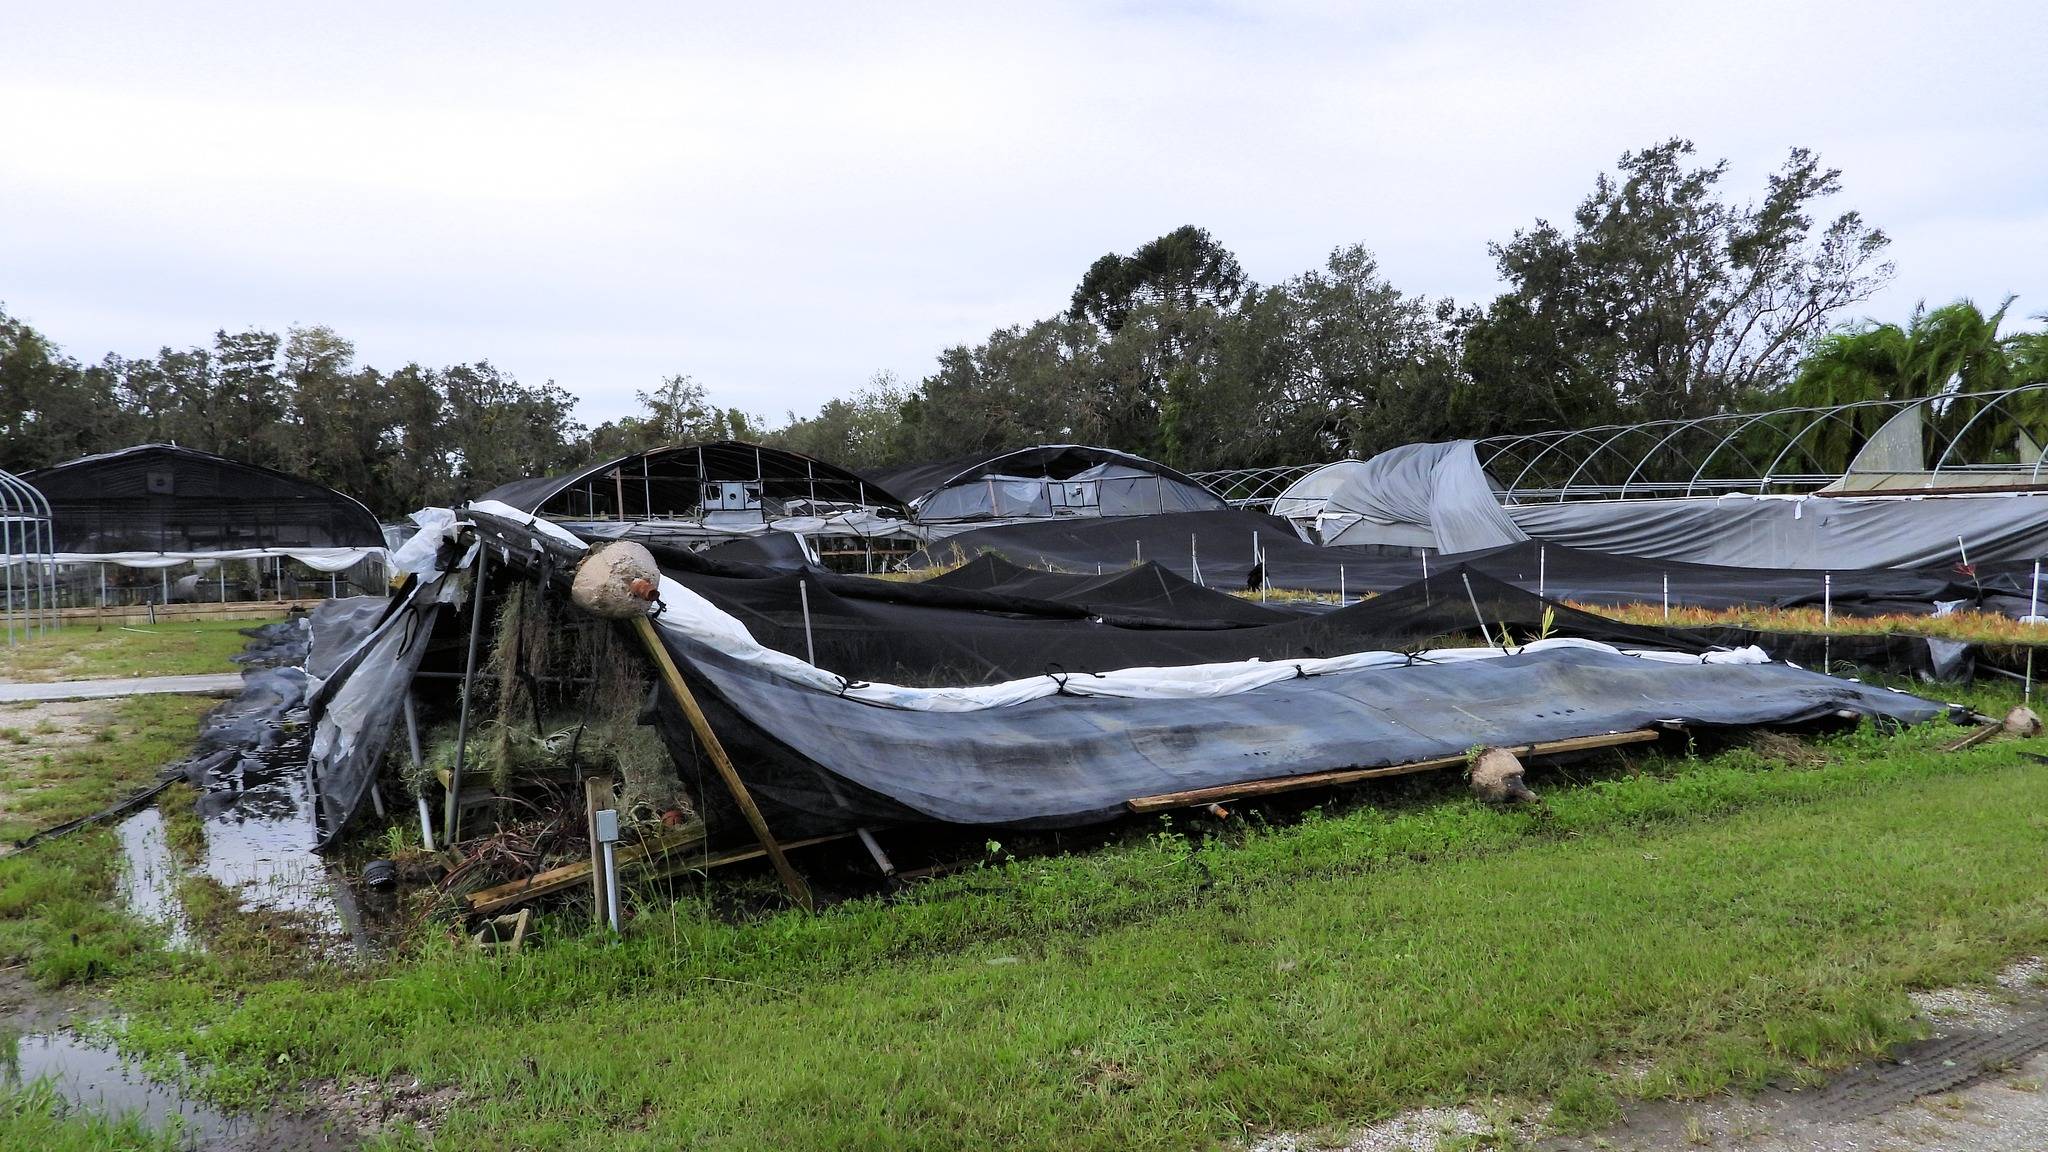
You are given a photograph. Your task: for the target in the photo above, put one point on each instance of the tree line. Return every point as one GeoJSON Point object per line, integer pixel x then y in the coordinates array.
{"type": "Point", "coordinates": [1661, 296]}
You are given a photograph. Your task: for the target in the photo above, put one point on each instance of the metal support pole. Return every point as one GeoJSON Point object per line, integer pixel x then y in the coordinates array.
{"type": "Point", "coordinates": [1667, 597]}
{"type": "Point", "coordinates": [412, 742]}
{"type": "Point", "coordinates": [452, 815]}
{"type": "Point", "coordinates": [803, 593]}
{"type": "Point", "coordinates": [1542, 569]}
{"type": "Point", "coordinates": [1827, 619]}
{"type": "Point", "coordinates": [2033, 611]}
{"type": "Point", "coordinates": [1483, 634]}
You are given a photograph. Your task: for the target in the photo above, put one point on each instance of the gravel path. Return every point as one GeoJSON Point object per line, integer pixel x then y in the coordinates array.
{"type": "Point", "coordinates": [207, 684]}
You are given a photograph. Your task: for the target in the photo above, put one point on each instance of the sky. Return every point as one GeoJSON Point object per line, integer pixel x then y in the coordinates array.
{"type": "Point", "coordinates": [783, 200]}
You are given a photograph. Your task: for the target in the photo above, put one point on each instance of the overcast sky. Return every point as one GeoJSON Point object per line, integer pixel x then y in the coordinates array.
{"type": "Point", "coordinates": [782, 200]}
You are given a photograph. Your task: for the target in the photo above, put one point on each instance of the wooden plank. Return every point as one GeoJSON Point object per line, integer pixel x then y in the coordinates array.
{"type": "Point", "coordinates": [1268, 787]}
{"type": "Point", "coordinates": [673, 678]}
{"type": "Point", "coordinates": [738, 855]}
{"type": "Point", "coordinates": [568, 876]}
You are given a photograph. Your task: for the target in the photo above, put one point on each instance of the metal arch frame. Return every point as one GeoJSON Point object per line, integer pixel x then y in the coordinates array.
{"type": "Point", "coordinates": [1996, 402]}
{"type": "Point", "coordinates": [1792, 427]}
{"type": "Point", "coordinates": [27, 542]}
{"type": "Point", "coordinates": [1678, 426]}
{"type": "Point", "coordinates": [1256, 487]}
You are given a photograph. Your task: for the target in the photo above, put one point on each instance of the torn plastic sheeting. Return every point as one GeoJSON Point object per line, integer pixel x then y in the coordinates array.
{"type": "Point", "coordinates": [354, 710]}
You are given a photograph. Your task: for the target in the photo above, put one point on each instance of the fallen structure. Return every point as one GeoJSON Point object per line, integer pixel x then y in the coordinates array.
{"type": "Point", "coordinates": [1746, 490]}
{"type": "Point", "coordinates": [794, 706]}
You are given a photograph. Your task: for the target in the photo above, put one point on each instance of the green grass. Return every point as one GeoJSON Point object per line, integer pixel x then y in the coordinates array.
{"type": "Point", "coordinates": [129, 740]}
{"type": "Point", "coordinates": [82, 651]}
{"type": "Point", "coordinates": [35, 1117]}
{"type": "Point", "coordinates": [58, 911]}
{"type": "Point", "coordinates": [1720, 920]}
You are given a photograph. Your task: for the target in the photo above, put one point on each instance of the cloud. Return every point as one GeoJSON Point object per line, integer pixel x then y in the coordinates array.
{"type": "Point", "coordinates": [781, 206]}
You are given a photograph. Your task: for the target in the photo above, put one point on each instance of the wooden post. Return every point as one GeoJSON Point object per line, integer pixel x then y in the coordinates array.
{"type": "Point", "coordinates": [597, 795]}
{"type": "Point", "coordinates": [673, 677]}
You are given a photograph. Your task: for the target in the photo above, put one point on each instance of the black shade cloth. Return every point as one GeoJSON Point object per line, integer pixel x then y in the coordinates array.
{"type": "Point", "coordinates": [164, 498]}
{"type": "Point", "coordinates": [936, 634]}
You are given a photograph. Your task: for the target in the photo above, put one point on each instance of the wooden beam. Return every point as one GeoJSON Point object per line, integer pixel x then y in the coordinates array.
{"type": "Point", "coordinates": [1268, 787]}
{"type": "Point", "coordinates": [673, 677]}
{"type": "Point", "coordinates": [739, 855]}
{"type": "Point", "coordinates": [568, 876]}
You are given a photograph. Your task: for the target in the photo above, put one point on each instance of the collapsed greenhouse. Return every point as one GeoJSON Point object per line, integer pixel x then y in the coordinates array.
{"type": "Point", "coordinates": [733, 711]}
{"type": "Point", "coordinates": [1939, 480]}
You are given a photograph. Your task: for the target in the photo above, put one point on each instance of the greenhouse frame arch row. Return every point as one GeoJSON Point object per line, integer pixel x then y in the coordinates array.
{"type": "Point", "coordinates": [1783, 450]}
{"type": "Point", "coordinates": [28, 561]}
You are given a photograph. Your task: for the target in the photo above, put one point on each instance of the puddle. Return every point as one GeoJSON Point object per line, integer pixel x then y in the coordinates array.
{"type": "Point", "coordinates": [149, 880]}
{"type": "Point", "coordinates": [256, 808]}
{"type": "Point", "coordinates": [95, 1079]}
{"type": "Point", "coordinates": [259, 835]}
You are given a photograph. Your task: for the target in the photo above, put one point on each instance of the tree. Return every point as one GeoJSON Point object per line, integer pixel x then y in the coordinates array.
{"type": "Point", "coordinates": [1184, 269]}
{"type": "Point", "coordinates": [1664, 299]}
{"type": "Point", "coordinates": [342, 417]}
{"type": "Point", "coordinates": [677, 411]}
{"type": "Point", "coordinates": [863, 430]}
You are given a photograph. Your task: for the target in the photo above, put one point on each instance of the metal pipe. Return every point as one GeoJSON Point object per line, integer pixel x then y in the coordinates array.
{"type": "Point", "coordinates": [412, 739]}
{"type": "Point", "coordinates": [803, 592]}
{"type": "Point", "coordinates": [1483, 633]}
{"type": "Point", "coordinates": [452, 816]}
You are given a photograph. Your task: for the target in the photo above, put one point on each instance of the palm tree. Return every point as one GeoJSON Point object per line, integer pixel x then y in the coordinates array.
{"type": "Point", "coordinates": [1942, 351]}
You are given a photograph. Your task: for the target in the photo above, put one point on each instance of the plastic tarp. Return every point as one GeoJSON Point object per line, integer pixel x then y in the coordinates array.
{"type": "Point", "coordinates": [1064, 746]}
{"type": "Point", "coordinates": [1436, 487]}
{"type": "Point", "coordinates": [1222, 542]}
{"type": "Point", "coordinates": [1802, 532]}
{"type": "Point", "coordinates": [1055, 759]}
{"type": "Point", "coordinates": [354, 709]}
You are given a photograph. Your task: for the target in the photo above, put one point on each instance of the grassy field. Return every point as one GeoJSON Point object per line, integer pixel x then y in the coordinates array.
{"type": "Point", "coordinates": [1716, 921]}
{"type": "Point", "coordinates": [80, 651]}
{"type": "Point", "coordinates": [60, 917]}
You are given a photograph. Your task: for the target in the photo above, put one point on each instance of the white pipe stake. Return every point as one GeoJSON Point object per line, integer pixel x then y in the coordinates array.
{"type": "Point", "coordinates": [803, 592]}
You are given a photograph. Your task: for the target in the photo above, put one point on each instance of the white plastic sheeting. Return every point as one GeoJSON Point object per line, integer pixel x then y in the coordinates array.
{"type": "Point", "coordinates": [318, 559]}
{"type": "Point", "coordinates": [1417, 495]}
{"type": "Point", "coordinates": [1437, 496]}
